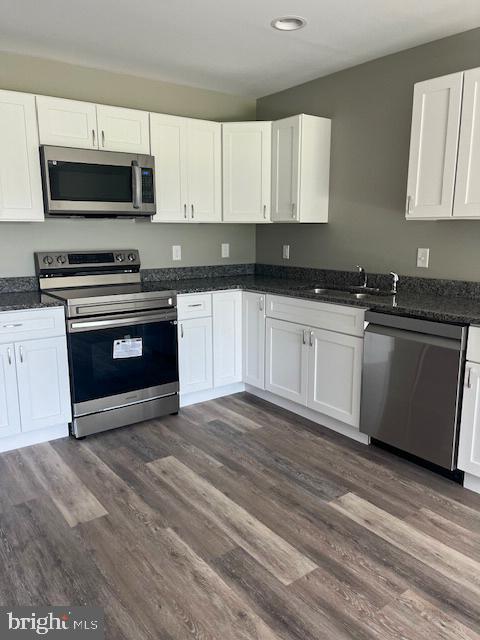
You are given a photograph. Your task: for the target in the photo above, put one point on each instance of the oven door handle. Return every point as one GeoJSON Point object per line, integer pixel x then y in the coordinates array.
{"type": "Point", "coordinates": [75, 326]}
{"type": "Point", "coordinates": [136, 185]}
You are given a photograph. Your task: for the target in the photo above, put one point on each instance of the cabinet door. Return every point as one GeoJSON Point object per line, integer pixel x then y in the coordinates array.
{"type": "Point", "coordinates": [204, 155]}
{"type": "Point", "coordinates": [433, 147]}
{"type": "Point", "coordinates": [286, 366]}
{"type": "Point", "coordinates": [9, 411]}
{"type": "Point", "coordinates": [285, 168]}
{"type": "Point", "coordinates": [247, 154]}
{"type": "Point", "coordinates": [469, 445]}
{"type": "Point", "coordinates": [122, 129]}
{"type": "Point", "coordinates": [195, 355]}
{"type": "Point", "coordinates": [334, 375]}
{"type": "Point", "coordinates": [168, 138]}
{"type": "Point", "coordinates": [253, 326]}
{"type": "Point", "coordinates": [227, 338]}
{"type": "Point", "coordinates": [43, 383]}
{"type": "Point", "coordinates": [67, 123]}
{"type": "Point", "coordinates": [20, 184]}
{"type": "Point", "coordinates": [467, 189]}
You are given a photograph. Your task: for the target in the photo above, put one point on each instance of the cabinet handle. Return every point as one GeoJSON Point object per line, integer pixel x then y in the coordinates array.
{"type": "Point", "coordinates": [12, 325]}
{"type": "Point", "coordinates": [93, 137]}
{"type": "Point", "coordinates": [21, 353]}
{"type": "Point", "coordinates": [293, 210]}
{"type": "Point", "coordinates": [193, 212]}
{"type": "Point", "coordinates": [304, 338]}
{"type": "Point", "coordinates": [9, 355]}
{"type": "Point", "coordinates": [185, 211]}
{"type": "Point", "coordinates": [469, 378]}
{"type": "Point", "coordinates": [198, 304]}
{"type": "Point", "coordinates": [181, 330]}
{"type": "Point", "coordinates": [260, 304]}
{"type": "Point", "coordinates": [264, 211]}
{"type": "Point", "coordinates": [409, 202]}
{"type": "Point", "coordinates": [311, 338]}
{"type": "Point", "coordinates": [103, 138]}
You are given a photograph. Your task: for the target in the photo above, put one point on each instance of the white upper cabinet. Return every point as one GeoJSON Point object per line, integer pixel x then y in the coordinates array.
{"type": "Point", "coordinates": [467, 189]}
{"type": "Point", "coordinates": [67, 123]}
{"type": "Point", "coordinates": [187, 169]}
{"type": "Point", "coordinates": [247, 152]}
{"type": "Point", "coordinates": [204, 160]}
{"type": "Point", "coordinates": [122, 129]}
{"type": "Point", "coordinates": [20, 184]}
{"type": "Point", "coordinates": [300, 169]}
{"type": "Point", "coordinates": [433, 147]}
{"type": "Point", "coordinates": [169, 146]}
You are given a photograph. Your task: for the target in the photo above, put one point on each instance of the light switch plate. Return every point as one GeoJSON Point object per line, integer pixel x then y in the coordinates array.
{"type": "Point", "coordinates": [177, 252]}
{"type": "Point", "coordinates": [286, 252]}
{"type": "Point", "coordinates": [225, 250]}
{"type": "Point", "coordinates": [423, 257]}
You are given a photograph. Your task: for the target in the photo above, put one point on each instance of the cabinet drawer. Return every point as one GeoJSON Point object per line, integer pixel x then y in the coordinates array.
{"type": "Point", "coordinates": [473, 345]}
{"type": "Point", "coordinates": [323, 315]}
{"type": "Point", "coordinates": [31, 324]}
{"type": "Point", "coordinates": [196, 305]}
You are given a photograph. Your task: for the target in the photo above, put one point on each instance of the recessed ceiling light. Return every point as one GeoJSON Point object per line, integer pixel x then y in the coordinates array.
{"type": "Point", "coordinates": [288, 23]}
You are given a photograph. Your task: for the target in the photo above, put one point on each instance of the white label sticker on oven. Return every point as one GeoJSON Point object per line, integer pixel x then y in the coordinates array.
{"type": "Point", "coordinates": [127, 348]}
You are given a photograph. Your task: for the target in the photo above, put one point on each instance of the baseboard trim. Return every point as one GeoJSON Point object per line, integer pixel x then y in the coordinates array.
{"type": "Point", "coordinates": [210, 394]}
{"type": "Point", "coordinates": [471, 482]}
{"type": "Point", "coordinates": [28, 438]}
{"type": "Point", "coordinates": [318, 418]}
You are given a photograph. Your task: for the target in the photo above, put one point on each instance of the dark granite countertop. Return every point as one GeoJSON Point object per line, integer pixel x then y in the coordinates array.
{"type": "Point", "coordinates": [454, 309]}
{"type": "Point", "coordinates": [19, 300]}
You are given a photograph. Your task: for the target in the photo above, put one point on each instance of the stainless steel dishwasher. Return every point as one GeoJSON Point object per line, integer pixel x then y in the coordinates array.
{"type": "Point", "coordinates": [411, 385]}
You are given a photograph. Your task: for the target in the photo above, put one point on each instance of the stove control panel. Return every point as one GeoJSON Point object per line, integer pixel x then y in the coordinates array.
{"type": "Point", "coordinates": [48, 262]}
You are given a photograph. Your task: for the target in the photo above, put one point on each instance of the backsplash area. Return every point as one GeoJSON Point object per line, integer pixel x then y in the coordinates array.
{"type": "Point", "coordinates": [327, 277]}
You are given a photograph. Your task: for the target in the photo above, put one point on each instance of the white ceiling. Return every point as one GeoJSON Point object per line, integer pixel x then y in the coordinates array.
{"type": "Point", "coordinates": [224, 44]}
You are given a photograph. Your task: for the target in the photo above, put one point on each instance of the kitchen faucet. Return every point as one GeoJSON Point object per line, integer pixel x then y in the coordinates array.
{"type": "Point", "coordinates": [361, 270]}
{"type": "Point", "coordinates": [395, 280]}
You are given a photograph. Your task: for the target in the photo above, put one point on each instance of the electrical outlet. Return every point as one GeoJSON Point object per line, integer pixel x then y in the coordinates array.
{"type": "Point", "coordinates": [225, 250]}
{"type": "Point", "coordinates": [423, 257]}
{"type": "Point", "coordinates": [286, 252]}
{"type": "Point", "coordinates": [177, 252]}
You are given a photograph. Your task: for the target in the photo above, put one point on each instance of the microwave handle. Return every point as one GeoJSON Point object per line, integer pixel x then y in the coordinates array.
{"type": "Point", "coordinates": [136, 185]}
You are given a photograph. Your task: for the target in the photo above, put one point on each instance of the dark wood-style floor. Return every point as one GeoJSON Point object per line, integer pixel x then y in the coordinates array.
{"type": "Point", "coordinates": [236, 520]}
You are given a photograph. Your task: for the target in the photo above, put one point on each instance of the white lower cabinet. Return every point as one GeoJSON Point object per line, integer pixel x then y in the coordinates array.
{"type": "Point", "coordinates": [34, 380]}
{"type": "Point", "coordinates": [195, 355]}
{"type": "Point", "coordinates": [286, 360]}
{"type": "Point", "coordinates": [253, 339]}
{"type": "Point", "coordinates": [9, 408]}
{"type": "Point", "coordinates": [334, 375]}
{"type": "Point", "coordinates": [227, 338]}
{"type": "Point", "coordinates": [43, 384]}
{"type": "Point", "coordinates": [469, 445]}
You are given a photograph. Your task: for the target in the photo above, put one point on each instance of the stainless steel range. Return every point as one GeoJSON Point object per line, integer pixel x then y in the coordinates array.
{"type": "Point", "coordinates": [122, 337]}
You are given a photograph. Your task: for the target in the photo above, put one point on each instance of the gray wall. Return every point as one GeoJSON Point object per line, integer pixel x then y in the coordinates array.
{"type": "Point", "coordinates": [370, 106]}
{"type": "Point", "coordinates": [200, 243]}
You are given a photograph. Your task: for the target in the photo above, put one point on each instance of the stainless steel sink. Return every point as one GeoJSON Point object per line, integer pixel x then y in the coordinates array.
{"type": "Point", "coordinates": [354, 292]}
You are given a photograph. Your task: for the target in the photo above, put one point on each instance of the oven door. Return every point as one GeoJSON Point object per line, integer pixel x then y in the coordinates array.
{"type": "Point", "coordinates": [118, 361]}
{"type": "Point", "coordinates": [97, 183]}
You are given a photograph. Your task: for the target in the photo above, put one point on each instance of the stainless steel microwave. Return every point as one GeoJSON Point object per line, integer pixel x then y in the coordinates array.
{"type": "Point", "coordinates": [97, 184]}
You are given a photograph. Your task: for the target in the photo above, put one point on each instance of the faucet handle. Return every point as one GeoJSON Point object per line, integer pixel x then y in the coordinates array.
{"type": "Point", "coordinates": [360, 269]}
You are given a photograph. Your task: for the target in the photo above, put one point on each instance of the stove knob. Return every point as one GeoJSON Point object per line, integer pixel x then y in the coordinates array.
{"type": "Point", "coordinates": [132, 257]}
{"type": "Point", "coordinates": [61, 259]}
{"type": "Point", "coordinates": [47, 260]}
{"type": "Point", "coordinates": [120, 257]}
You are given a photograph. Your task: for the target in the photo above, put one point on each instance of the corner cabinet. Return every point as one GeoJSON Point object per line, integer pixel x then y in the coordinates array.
{"type": "Point", "coordinates": [247, 153]}
{"type": "Point", "coordinates": [20, 184]}
{"type": "Point", "coordinates": [253, 338]}
{"type": "Point", "coordinates": [445, 149]}
{"type": "Point", "coordinates": [34, 379]}
{"type": "Point", "coordinates": [187, 169]}
{"type": "Point", "coordinates": [300, 169]}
